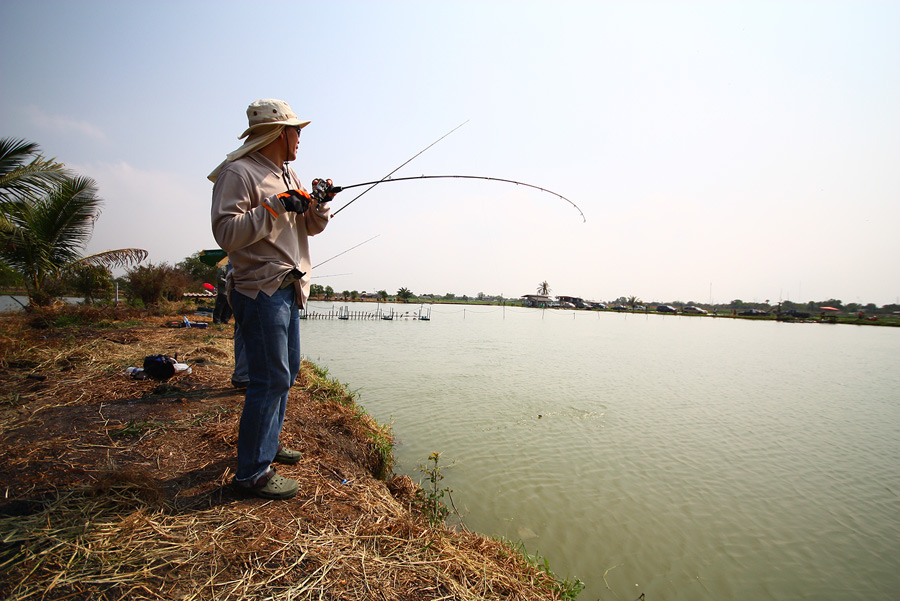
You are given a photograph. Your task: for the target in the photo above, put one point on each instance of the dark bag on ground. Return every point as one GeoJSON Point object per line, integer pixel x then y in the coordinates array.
{"type": "Point", "coordinates": [159, 367]}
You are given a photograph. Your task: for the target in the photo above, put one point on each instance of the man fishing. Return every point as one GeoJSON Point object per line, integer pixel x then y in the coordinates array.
{"type": "Point", "coordinates": [262, 217]}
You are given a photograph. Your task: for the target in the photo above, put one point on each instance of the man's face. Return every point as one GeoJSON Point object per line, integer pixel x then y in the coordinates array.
{"type": "Point", "coordinates": [293, 141]}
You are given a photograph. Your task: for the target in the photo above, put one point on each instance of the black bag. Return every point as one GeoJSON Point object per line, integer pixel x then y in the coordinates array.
{"type": "Point", "coordinates": [159, 367]}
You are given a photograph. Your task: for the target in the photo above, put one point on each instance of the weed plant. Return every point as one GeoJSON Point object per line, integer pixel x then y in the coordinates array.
{"type": "Point", "coordinates": [429, 495]}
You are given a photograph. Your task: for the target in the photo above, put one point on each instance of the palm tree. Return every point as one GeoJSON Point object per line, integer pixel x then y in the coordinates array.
{"type": "Point", "coordinates": [544, 288]}
{"type": "Point", "coordinates": [18, 178]}
{"type": "Point", "coordinates": [633, 302]}
{"type": "Point", "coordinates": [47, 218]}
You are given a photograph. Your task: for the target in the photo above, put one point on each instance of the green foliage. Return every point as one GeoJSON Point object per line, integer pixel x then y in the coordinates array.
{"type": "Point", "coordinates": [9, 278]}
{"type": "Point", "coordinates": [329, 292]}
{"type": "Point", "coordinates": [197, 271]}
{"type": "Point", "coordinates": [429, 496]}
{"type": "Point", "coordinates": [544, 288]}
{"type": "Point", "coordinates": [153, 283]}
{"type": "Point", "coordinates": [383, 440]}
{"type": "Point", "coordinates": [322, 387]}
{"type": "Point", "coordinates": [565, 588]}
{"type": "Point", "coordinates": [404, 294]}
{"type": "Point", "coordinates": [45, 232]}
{"type": "Point", "coordinates": [568, 589]}
{"type": "Point", "coordinates": [46, 221]}
{"type": "Point", "coordinates": [89, 281]}
{"type": "Point", "coordinates": [24, 172]}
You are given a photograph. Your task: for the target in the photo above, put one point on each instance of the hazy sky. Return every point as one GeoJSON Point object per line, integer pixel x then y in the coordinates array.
{"type": "Point", "coordinates": [719, 150]}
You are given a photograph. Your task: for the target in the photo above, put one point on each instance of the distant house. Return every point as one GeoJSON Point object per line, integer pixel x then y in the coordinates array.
{"type": "Point", "coordinates": [536, 300]}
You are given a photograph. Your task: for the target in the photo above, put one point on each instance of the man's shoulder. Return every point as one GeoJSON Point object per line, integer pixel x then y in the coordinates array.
{"type": "Point", "coordinates": [249, 178]}
{"type": "Point", "coordinates": [245, 164]}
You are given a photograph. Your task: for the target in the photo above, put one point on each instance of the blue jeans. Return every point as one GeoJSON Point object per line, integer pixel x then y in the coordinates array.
{"type": "Point", "coordinates": [270, 333]}
{"type": "Point", "coordinates": [241, 370]}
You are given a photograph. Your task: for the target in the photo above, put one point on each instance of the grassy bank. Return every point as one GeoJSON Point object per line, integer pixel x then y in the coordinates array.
{"type": "Point", "coordinates": [117, 488]}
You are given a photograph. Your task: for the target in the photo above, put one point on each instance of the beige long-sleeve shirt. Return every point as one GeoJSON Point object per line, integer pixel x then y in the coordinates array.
{"type": "Point", "coordinates": [263, 240]}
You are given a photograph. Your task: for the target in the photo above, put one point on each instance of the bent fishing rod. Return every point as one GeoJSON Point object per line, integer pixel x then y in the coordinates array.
{"type": "Point", "coordinates": [336, 189]}
{"type": "Point", "coordinates": [324, 190]}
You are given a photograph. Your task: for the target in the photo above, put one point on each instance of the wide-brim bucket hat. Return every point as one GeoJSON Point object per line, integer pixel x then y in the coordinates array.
{"type": "Point", "coordinates": [269, 111]}
{"type": "Point", "coordinates": [267, 119]}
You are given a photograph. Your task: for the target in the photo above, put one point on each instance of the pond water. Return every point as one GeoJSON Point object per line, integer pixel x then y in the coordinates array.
{"type": "Point", "coordinates": [679, 457]}
{"type": "Point", "coordinates": [14, 303]}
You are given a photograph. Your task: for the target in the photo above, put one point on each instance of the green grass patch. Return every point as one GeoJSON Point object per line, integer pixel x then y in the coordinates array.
{"type": "Point", "coordinates": [567, 589]}
{"type": "Point", "coordinates": [323, 388]}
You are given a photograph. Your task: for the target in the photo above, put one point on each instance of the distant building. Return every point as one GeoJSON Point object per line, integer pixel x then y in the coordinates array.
{"type": "Point", "coordinates": [536, 300]}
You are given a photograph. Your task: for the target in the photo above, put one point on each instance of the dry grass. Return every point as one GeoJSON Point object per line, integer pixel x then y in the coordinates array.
{"type": "Point", "coordinates": [120, 489]}
{"type": "Point", "coordinates": [118, 544]}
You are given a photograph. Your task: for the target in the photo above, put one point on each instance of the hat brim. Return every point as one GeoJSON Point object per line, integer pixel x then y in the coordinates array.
{"type": "Point", "coordinates": [293, 122]}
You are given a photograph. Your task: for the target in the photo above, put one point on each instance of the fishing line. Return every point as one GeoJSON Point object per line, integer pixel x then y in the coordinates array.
{"type": "Point", "coordinates": [373, 184]}
{"type": "Point", "coordinates": [346, 251]}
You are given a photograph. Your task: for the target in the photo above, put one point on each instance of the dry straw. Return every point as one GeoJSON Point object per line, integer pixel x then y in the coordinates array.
{"type": "Point", "coordinates": [118, 541]}
{"type": "Point", "coordinates": [160, 520]}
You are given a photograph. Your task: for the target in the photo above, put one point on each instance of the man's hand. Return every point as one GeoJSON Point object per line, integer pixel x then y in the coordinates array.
{"type": "Point", "coordinates": [295, 200]}
{"type": "Point", "coordinates": [324, 190]}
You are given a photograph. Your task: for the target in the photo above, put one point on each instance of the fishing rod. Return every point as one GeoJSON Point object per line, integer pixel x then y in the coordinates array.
{"type": "Point", "coordinates": [336, 189]}
{"type": "Point", "coordinates": [324, 189]}
{"type": "Point", "coordinates": [373, 184]}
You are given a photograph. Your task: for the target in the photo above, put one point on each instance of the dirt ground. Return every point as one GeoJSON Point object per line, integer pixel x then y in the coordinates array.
{"type": "Point", "coordinates": [115, 487]}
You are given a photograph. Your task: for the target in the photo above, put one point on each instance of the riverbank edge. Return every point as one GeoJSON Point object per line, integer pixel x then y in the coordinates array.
{"type": "Point", "coordinates": [103, 469]}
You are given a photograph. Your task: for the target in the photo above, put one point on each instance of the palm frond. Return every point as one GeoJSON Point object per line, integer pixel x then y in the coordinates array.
{"type": "Point", "coordinates": [24, 171]}
{"type": "Point", "coordinates": [42, 233]}
{"type": "Point", "coordinates": [14, 153]}
{"type": "Point", "coordinates": [122, 257]}
{"type": "Point", "coordinates": [66, 217]}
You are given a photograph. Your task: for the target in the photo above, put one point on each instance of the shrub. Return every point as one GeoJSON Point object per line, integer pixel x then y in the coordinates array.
{"type": "Point", "coordinates": [90, 281]}
{"type": "Point", "coordinates": [153, 283]}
